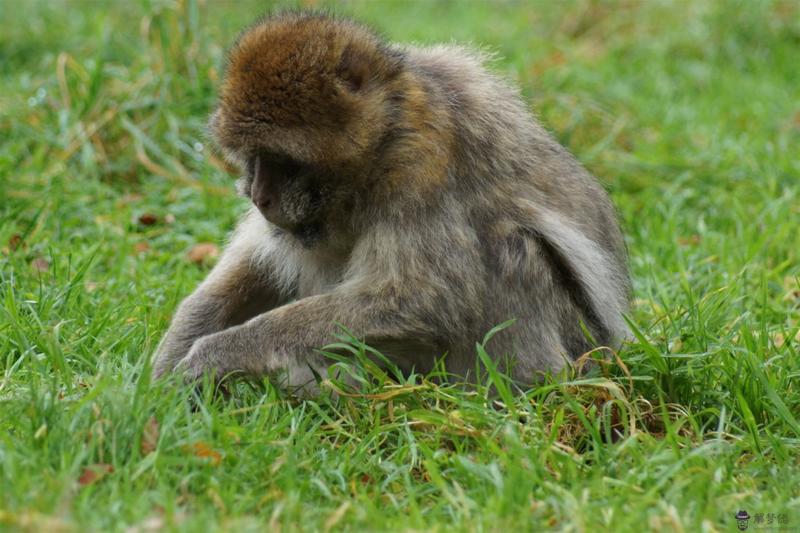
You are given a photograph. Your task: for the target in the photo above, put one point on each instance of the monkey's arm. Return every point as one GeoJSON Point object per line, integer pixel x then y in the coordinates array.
{"type": "Point", "coordinates": [286, 337]}
{"type": "Point", "coordinates": [400, 297]}
{"type": "Point", "coordinates": [237, 289]}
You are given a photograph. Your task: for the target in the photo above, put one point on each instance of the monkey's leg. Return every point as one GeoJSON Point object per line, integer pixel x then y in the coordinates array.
{"type": "Point", "coordinates": [286, 337]}
{"type": "Point", "coordinates": [235, 291]}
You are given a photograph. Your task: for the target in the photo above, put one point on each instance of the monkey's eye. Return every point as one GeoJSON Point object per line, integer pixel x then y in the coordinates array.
{"type": "Point", "coordinates": [290, 168]}
{"type": "Point", "coordinates": [274, 167]}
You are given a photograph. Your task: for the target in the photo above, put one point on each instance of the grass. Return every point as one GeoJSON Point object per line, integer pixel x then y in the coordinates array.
{"type": "Point", "coordinates": [689, 112]}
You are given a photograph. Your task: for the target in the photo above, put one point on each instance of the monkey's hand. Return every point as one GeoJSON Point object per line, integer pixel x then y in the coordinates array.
{"type": "Point", "coordinates": [287, 338]}
{"type": "Point", "coordinates": [197, 316]}
{"type": "Point", "coordinates": [235, 291]}
{"type": "Point", "coordinates": [208, 355]}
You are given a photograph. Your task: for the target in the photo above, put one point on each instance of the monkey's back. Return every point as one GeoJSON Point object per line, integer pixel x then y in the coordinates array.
{"type": "Point", "coordinates": [553, 254]}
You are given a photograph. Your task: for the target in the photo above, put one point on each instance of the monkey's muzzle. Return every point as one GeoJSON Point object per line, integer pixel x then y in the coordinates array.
{"type": "Point", "coordinates": [266, 192]}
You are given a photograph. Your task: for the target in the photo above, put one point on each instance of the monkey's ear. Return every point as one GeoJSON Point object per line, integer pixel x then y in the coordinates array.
{"type": "Point", "coordinates": [354, 68]}
{"type": "Point", "coordinates": [358, 66]}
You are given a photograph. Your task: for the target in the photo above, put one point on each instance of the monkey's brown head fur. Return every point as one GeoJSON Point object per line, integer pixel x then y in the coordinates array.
{"type": "Point", "coordinates": [307, 86]}
{"type": "Point", "coordinates": [305, 101]}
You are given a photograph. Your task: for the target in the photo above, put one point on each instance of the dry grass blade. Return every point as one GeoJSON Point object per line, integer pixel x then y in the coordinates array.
{"type": "Point", "coordinates": [392, 392]}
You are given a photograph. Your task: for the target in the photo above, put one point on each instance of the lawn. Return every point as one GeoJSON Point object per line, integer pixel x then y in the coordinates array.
{"type": "Point", "coordinates": [112, 203]}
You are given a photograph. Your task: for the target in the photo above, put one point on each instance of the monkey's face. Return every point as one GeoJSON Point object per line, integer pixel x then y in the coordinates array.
{"type": "Point", "coordinates": [287, 192]}
{"type": "Point", "coordinates": [305, 100]}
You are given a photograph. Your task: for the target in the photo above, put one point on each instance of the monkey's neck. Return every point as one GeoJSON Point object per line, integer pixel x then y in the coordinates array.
{"type": "Point", "coordinates": [413, 156]}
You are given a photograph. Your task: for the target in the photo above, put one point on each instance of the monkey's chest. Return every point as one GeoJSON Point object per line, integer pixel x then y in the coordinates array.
{"type": "Point", "coordinates": [318, 278]}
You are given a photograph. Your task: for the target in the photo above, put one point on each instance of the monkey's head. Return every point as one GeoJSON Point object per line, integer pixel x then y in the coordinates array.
{"type": "Point", "coordinates": [305, 100]}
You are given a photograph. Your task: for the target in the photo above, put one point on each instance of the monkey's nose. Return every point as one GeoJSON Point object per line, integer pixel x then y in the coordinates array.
{"type": "Point", "coordinates": [266, 205]}
{"type": "Point", "coordinates": [270, 209]}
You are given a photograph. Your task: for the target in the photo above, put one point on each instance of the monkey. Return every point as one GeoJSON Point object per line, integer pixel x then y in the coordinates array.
{"type": "Point", "coordinates": [405, 193]}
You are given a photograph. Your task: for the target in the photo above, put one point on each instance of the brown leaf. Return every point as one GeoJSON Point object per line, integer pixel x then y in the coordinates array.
{"type": "Point", "coordinates": [201, 449]}
{"type": "Point", "coordinates": [690, 240]}
{"type": "Point", "coordinates": [41, 264]}
{"type": "Point", "coordinates": [15, 241]}
{"type": "Point", "coordinates": [202, 251]}
{"type": "Point", "coordinates": [141, 247]}
{"type": "Point", "coordinates": [778, 339]}
{"type": "Point", "coordinates": [150, 436]}
{"type": "Point", "coordinates": [791, 285]}
{"type": "Point", "coordinates": [94, 473]}
{"type": "Point", "coordinates": [148, 219]}
{"type": "Point", "coordinates": [130, 198]}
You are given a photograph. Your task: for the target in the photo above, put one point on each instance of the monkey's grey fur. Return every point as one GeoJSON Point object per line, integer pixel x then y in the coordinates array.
{"type": "Point", "coordinates": [420, 205]}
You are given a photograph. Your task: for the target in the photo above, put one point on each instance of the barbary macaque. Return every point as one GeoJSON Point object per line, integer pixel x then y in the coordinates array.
{"type": "Point", "coordinates": [405, 193]}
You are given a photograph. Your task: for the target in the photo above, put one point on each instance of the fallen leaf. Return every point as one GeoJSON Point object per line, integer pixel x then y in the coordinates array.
{"type": "Point", "coordinates": [141, 247]}
{"type": "Point", "coordinates": [41, 264]}
{"type": "Point", "coordinates": [169, 218]}
{"type": "Point", "coordinates": [778, 339]}
{"type": "Point", "coordinates": [692, 239]}
{"type": "Point", "coordinates": [94, 473]}
{"type": "Point", "coordinates": [14, 242]}
{"type": "Point", "coordinates": [791, 285]}
{"type": "Point", "coordinates": [130, 198]}
{"type": "Point", "coordinates": [148, 219]}
{"type": "Point", "coordinates": [201, 449]}
{"type": "Point", "coordinates": [150, 436]}
{"type": "Point", "coordinates": [202, 251]}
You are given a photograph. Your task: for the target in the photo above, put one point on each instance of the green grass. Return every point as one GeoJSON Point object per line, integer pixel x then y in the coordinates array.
{"type": "Point", "coordinates": [689, 112]}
